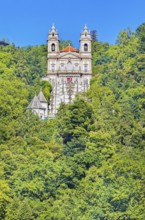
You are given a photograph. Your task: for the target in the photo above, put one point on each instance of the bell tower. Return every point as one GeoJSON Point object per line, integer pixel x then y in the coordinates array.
{"type": "Point", "coordinates": [53, 41]}
{"type": "Point", "coordinates": [53, 50]}
{"type": "Point", "coordinates": [85, 51]}
{"type": "Point", "coordinates": [85, 42]}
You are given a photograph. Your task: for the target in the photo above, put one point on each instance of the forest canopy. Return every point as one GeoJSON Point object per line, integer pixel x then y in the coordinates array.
{"type": "Point", "coordinates": [87, 163]}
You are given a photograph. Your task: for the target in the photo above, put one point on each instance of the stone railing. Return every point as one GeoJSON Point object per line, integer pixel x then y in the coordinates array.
{"type": "Point", "coordinates": [67, 71]}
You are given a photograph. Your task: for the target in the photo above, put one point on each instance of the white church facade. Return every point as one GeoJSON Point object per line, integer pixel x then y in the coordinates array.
{"type": "Point", "coordinates": [69, 70]}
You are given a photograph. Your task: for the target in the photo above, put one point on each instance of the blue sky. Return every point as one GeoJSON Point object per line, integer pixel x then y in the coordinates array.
{"type": "Point", "coordinates": [27, 22]}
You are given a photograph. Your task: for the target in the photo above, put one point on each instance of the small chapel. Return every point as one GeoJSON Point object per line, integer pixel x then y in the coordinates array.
{"type": "Point", "coordinates": [39, 106]}
{"type": "Point", "coordinates": [69, 71]}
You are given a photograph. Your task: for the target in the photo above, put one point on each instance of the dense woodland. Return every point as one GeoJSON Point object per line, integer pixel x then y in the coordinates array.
{"type": "Point", "coordinates": [89, 162]}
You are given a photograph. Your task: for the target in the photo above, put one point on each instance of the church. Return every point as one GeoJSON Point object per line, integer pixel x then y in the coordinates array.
{"type": "Point", "coordinates": [39, 106]}
{"type": "Point", "coordinates": [68, 70]}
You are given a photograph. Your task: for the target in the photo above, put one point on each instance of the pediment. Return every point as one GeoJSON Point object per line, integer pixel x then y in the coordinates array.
{"type": "Point", "coordinates": [70, 55]}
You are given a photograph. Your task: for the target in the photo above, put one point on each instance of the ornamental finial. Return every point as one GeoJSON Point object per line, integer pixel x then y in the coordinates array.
{"type": "Point", "coordinates": [53, 27]}
{"type": "Point", "coordinates": [85, 28]}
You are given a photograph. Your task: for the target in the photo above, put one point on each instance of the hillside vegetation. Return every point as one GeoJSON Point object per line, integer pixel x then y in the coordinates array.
{"type": "Point", "coordinates": [89, 162]}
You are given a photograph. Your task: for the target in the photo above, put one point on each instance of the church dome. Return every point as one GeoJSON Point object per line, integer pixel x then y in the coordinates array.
{"type": "Point", "coordinates": [69, 49]}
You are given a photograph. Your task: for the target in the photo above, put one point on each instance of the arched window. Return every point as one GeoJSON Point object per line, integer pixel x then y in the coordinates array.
{"type": "Point", "coordinates": [76, 67]}
{"type": "Point", "coordinates": [52, 47]}
{"type": "Point", "coordinates": [69, 66]}
{"type": "Point", "coordinates": [85, 47]}
{"type": "Point", "coordinates": [85, 68]}
{"type": "Point", "coordinates": [53, 67]}
{"type": "Point", "coordinates": [62, 66]}
{"type": "Point", "coordinates": [52, 34]}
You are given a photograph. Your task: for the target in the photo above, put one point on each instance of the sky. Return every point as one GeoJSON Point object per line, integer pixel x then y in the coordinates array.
{"type": "Point", "coordinates": [27, 22]}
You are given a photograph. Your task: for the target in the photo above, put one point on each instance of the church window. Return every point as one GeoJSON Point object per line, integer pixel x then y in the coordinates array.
{"type": "Point", "coordinates": [85, 81]}
{"type": "Point", "coordinates": [62, 67]}
{"type": "Point", "coordinates": [52, 34]}
{"type": "Point", "coordinates": [53, 67]}
{"type": "Point", "coordinates": [76, 66]}
{"type": "Point", "coordinates": [85, 47]}
{"type": "Point", "coordinates": [85, 68]}
{"type": "Point", "coordinates": [52, 47]}
{"type": "Point", "coordinates": [69, 66]}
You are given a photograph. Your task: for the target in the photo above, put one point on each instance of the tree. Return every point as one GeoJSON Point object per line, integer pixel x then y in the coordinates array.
{"type": "Point", "coordinates": [141, 34]}
{"type": "Point", "coordinates": [4, 193]}
{"type": "Point", "coordinates": [76, 122]}
{"type": "Point", "coordinates": [94, 35]}
{"type": "Point", "coordinates": [88, 162]}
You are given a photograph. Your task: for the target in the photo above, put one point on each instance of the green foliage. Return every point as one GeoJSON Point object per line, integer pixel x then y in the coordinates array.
{"type": "Point", "coordinates": [4, 193]}
{"type": "Point", "coordinates": [13, 101]}
{"type": "Point", "coordinates": [46, 87]}
{"type": "Point", "coordinates": [141, 34]}
{"type": "Point", "coordinates": [87, 163]}
{"type": "Point", "coordinates": [75, 121]}
{"type": "Point", "coordinates": [28, 63]}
